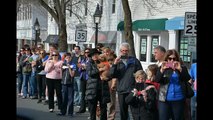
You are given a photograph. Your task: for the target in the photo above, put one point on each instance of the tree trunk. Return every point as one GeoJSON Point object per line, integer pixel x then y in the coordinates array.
{"type": "Point", "coordinates": [128, 26]}
{"type": "Point", "coordinates": [62, 42]}
{"type": "Point", "coordinates": [59, 15]}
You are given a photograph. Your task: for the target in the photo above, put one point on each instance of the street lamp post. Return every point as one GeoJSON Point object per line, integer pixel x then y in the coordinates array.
{"type": "Point", "coordinates": [97, 19]}
{"type": "Point", "coordinates": [37, 31]}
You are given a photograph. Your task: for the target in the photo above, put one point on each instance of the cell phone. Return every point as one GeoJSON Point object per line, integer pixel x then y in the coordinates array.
{"type": "Point", "coordinates": [169, 65]}
{"type": "Point", "coordinates": [124, 57]}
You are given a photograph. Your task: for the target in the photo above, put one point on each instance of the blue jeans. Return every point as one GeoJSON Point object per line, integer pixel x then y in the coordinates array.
{"type": "Point", "coordinates": [77, 93]}
{"type": "Point", "coordinates": [20, 81]}
{"type": "Point", "coordinates": [33, 84]}
{"type": "Point", "coordinates": [176, 108]}
{"type": "Point", "coordinates": [67, 99]}
{"type": "Point", "coordinates": [26, 78]}
{"type": "Point", "coordinates": [194, 107]}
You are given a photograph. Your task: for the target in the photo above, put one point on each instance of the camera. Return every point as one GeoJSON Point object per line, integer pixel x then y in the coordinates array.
{"type": "Point", "coordinates": [124, 57]}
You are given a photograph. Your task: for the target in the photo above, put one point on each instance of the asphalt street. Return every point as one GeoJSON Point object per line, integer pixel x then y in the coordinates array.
{"type": "Point", "coordinates": [31, 110]}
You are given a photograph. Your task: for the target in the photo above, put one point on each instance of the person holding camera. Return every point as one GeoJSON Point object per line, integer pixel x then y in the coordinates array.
{"type": "Point", "coordinates": [172, 76]}
{"type": "Point", "coordinates": [68, 72]}
{"type": "Point", "coordinates": [142, 99]}
{"type": "Point", "coordinates": [123, 68]}
{"type": "Point", "coordinates": [53, 79]}
{"type": "Point", "coordinates": [26, 71]}
{"type": "Point", "coordinates": [83, 78]}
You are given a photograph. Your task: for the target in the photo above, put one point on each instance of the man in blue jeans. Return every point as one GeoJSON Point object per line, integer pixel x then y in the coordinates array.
{"type": "Point", "coordinates": [123, 68]}
{"type": "Point", "coordinates": [77, 82]}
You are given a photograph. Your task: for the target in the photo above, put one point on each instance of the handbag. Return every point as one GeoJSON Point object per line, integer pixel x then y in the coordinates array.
{"type": "Point", "coordinates": [27, 68]}
{"type": "Point", "coordinates": [189, 91]}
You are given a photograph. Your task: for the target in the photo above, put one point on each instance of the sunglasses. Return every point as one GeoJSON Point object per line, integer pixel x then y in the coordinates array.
{"type": "Point", "coordinates": [54, 55]}
{"type": "Point", "coordinates": [172, 58]}
{"type": "Point", "coordinates": [41, 53]}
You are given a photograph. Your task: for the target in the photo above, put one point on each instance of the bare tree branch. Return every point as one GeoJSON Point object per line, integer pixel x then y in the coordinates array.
{"type": "Point", "coordinates": [50, 10]}
{"type": "Point", "coordinates": [155, 6]}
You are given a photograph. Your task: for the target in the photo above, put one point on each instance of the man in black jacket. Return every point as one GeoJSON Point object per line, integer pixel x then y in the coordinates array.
{"type": "Point", "coordinates": [123, 69]}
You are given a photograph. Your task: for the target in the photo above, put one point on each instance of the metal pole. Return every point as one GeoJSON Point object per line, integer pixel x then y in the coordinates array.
{"type": "Point", "coordinates": [96, 34]}
{"type": "Point", "coordinates": [36, 38]}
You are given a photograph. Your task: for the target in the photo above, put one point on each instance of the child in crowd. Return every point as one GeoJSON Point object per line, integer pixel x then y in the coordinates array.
{"type": "Point", "coordinates": [151, 74]}
{"type": "Point", "coordinates": [142, 99]}
{"type": "Point", "coordinates": [68, 71]}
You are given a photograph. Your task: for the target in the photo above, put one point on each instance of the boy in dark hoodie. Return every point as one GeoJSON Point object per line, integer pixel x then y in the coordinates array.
{"type": "Point", "coordinates": [68, 71]}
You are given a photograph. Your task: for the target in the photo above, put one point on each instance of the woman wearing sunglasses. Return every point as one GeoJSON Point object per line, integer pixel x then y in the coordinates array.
{"type": "Point", "coordinates": [172, 76]}
{"type": "Point", "coordinates": [53, 79]}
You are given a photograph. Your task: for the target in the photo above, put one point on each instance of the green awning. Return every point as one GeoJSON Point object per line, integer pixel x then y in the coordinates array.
{"type": "Point", "coordinates": [149, 24]}
{"type": "Point", "coordinates": [120, 26]}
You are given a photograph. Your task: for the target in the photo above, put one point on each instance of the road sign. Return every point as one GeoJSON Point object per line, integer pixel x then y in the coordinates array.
{"type": "Point", "coordinates": [81, 36]}
{"type": "Point", "coordinates": [190, 26]}
{"type": "Point", "coordinates": [192, 44]}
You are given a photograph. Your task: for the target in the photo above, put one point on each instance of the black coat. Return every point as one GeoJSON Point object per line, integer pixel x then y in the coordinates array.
{"type": "Point", "coordinates": [39, 65]}
{"type": "Point", "coordinates": [124, 74]}
{"type": "Point", "coordinates": [66, 77]}
{"type": "Point", "coordinates": [142, 110]}
{"type": "Point", "coordinates": [94, 84]}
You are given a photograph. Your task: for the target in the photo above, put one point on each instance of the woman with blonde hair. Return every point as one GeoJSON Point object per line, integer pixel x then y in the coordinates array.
{"type": "Point", "coordinates": [53, 79]}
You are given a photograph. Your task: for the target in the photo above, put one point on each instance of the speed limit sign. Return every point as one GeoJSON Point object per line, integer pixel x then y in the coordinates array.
{"type": "Point", "coordinates": [190, 26]}
{"type": "Point", "coordinates": [80, 36]}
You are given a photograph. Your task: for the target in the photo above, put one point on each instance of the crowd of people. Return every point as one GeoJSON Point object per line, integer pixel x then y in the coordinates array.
{"type": "Point", "coordinates": [93, 77]}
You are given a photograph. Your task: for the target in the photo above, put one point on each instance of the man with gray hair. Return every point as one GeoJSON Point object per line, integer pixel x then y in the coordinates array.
{"type": "Point", "coordinates": [159, 53]}
{"type": "Point", "coordinates": [123, 69]}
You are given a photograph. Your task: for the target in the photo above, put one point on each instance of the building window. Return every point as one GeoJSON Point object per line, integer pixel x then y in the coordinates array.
{"type": "Point", "coordinates": [185, 55]}
{"type": "Point", "coordinates": [30, 11]}
{"type": "Point", "coordinates": [113, 6]}
{"type": "Point", "coordinates": [143, 48]}
{"type": "Point", "coordinates": [23, 13]}
{"type": "Point", "coordinates": [18, 16]}
{"type": "Point", "coordinates": [154, 43]}
{"type": "Point", "coordinates": [101, 7]}
{"type": "Point", "coordinates": [27, 12]}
